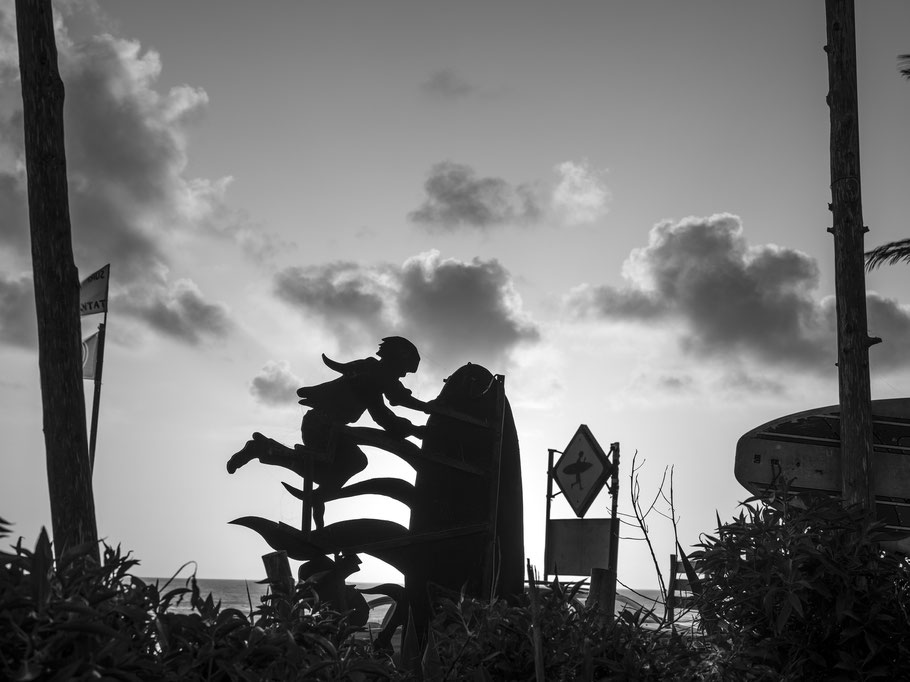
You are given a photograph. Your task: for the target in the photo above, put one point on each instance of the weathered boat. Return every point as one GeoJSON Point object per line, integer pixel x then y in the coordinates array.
{"type": "Point", "coordinates": [804, 450]}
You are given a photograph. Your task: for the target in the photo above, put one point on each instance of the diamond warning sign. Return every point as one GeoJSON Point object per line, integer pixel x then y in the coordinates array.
{"type": "Point", "coordinates": [582, 470]}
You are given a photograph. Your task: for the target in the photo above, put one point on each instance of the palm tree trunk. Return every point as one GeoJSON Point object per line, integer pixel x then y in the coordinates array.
{"type": "Point", "coordinates": [848, 229]}
{"type": "Point", "coordinates": [56, 282]}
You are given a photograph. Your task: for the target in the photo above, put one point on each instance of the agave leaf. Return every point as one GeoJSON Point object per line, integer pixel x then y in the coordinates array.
{"type": "Point", "coordinates": [395, 488]}
{"type": "Point", "coordinates": [410, 654]}
{"type": "Point", "coordinates": [695, 581]}
{"type": "Point", "coordinates": [379, 438]}
{"type": "Point", "coordinates": [431, 664]}
{"type": "Point", "coordinates": [42, 566]}
{"type": "Point", "coordinates": [282, 537]}
{"type": "Point", "coordinates": [356, 535]}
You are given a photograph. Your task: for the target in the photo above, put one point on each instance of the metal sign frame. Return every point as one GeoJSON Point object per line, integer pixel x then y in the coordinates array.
{"type": "Point", "coordinates": [606, 576]}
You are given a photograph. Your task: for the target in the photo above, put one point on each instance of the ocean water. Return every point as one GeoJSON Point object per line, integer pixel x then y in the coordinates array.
{"type": "Point", "coordinates": [245, 595]}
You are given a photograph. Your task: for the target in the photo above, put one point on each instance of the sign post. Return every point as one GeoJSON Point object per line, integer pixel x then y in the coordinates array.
{"type": "Point", "coordinates": [583, 546]}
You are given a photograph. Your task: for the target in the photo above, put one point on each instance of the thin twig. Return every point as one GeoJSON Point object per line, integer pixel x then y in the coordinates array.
{"type": "Point", "coordinates": [636, 508]}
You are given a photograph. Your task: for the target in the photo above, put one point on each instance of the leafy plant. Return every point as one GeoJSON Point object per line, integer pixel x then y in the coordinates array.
{"type": "Point", "coordinates": [496, 641]}
{"type": "Point", "coordinates": [801, 588]}
{"type": "Point", "coordinates": [794, 588]}
{"type": "Point", "coordinates": [77, 620]}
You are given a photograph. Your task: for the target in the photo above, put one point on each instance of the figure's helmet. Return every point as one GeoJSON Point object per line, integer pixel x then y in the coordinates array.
{"type": "Point", "coordinates": [399, 351]}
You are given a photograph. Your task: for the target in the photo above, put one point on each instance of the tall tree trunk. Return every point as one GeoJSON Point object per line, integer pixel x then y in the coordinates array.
{"type": "Point", "coordinates": [56, 281]}
{"type": "Point", "coordinates": [850, 284]}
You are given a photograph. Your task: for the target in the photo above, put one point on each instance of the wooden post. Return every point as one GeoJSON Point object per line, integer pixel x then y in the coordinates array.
{"type": "Point", "coordinates": [599, 591]}
{"type": "Point", "coordinates": [850, 287]}
{"type": "Point", "coordinates": [56, 282]}
{"type": "Point", "coordinates": [278, 572]}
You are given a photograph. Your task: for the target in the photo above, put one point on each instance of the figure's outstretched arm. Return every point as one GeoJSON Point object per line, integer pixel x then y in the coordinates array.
{"type": "Point", "coordinates": [409, 401]}
{"type": "Point", "coordinates": [391, 422]}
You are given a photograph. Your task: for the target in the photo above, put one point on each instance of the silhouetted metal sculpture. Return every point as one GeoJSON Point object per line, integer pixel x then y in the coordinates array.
{"type": "Point", "coordinates": [334, 458]}
{"type": "Point", "coordinates": [466, 529]}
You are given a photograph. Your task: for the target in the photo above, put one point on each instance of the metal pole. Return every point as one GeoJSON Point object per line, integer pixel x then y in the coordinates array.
{"type": "Point", "coordinates": [496, 471]}
{"type": "Point", "coordinates": [306, 524]}
{"type": "Point", "coordinates": [546, 531]}
{"type": "Point", "coordinates": [96, 399]}
{"type": "Point", "coordinates": [614, 531]}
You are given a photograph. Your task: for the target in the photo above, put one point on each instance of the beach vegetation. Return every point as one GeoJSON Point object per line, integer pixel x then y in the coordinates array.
{"type": "Point", "coordinates": [74, 619]}
{"type": "Point", "coordinates": [795, 587]}
{"type": "Point", "coordinates": [803, 587]}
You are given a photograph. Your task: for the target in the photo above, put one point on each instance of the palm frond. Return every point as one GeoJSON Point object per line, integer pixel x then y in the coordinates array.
{"type": "Point", "coordinates": [890, 254]}
{"type": "Point", "coordinates": [903, 65]}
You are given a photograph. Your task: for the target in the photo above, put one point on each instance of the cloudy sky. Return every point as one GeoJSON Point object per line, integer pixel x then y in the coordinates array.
{"type": "Point", "coordinates": [622, 207]}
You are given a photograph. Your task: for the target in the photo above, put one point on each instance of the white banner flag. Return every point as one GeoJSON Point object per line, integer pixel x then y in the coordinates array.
{"type": "Point", "coordinates": [90, 356]}
{"type": "Point", "coordinates": [93, 292]}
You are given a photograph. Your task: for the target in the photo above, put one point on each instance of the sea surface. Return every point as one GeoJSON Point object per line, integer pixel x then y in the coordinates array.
{"type": "Point", "coordinates": [245, 595]}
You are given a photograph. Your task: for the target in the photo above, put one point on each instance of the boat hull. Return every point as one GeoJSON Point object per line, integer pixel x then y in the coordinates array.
{"type": "Point", "coordinates": [804, 450]}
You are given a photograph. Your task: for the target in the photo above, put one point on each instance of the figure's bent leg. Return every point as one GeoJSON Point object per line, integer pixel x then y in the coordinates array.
{"type": "Point", "coordinates": [249, 452]}
{"type": "Point", "coordinates": [267, 451]}
{"type": "Point", "coordinates": [318, 509]}
{"type": "Point", "coordinates": [347, 461]}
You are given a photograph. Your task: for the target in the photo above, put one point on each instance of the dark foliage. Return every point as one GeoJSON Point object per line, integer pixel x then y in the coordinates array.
{"type": "Point", "coordinates": [903, 65]}
{"type": "Point", "coordinates": [81, 621]}
{"type": "Point", "coordinates": [802, 589]}
{"type": "Point", "coordinates": [888, 254]}
{"type": "Point", "coordinates": [480, 641]}
{"type": "Point", "coordinates": [798, 589]}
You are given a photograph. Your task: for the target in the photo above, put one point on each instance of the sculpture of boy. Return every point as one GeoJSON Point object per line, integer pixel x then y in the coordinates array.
{"type": "Point", "coordinates": [362, 387]}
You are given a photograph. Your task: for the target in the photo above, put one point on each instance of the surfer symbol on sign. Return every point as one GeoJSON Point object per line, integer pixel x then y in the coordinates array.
{"type": "Point", "coordinates": [577, 469]}
{"type": "Point", "coordinates": [582, 471]}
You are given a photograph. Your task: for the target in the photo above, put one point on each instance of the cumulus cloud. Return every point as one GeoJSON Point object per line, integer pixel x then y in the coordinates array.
{"type": "Point", "coordinates": [18, 326]}
{"type": "Point", "coordinates": [581, 195]}
{"type": "Point", "coordinates": [9, 50]}
{"type": "Point", "coordinates": [127, 154]}
{"type": "Point", "coordinates": [890, 321]}
{"type": "Point", "coordinates": [179, 311]}
{"type": "Point", "coordinates": [275, 384]}
{"type": "Point", "coordinates": [739, 380]}
{"type": "Point", "coordinates": [445, 84]}
{"type": "Point", "coordinates": [462, 309]}
{"type": "Point", "coordinates": [732, 300]}
{"type": "Point", "coordinates": [454, 311]}
{"type": "Point", "coordinates": [456, 197]}
{"type": "Point", "coordinates": [350, 299]}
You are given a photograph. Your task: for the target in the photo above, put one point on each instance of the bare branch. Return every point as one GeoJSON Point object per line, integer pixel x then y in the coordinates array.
{"type": "Point", "coordinates": [635, 489]}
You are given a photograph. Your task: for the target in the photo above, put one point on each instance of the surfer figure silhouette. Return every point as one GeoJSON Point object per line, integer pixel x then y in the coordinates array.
{"type": "Point", "coordinates": [363, 386]}
{"type": "Point", "coordinates": [577, 468]}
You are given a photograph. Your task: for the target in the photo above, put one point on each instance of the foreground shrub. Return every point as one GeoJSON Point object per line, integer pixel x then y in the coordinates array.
{"type": "Point", "coordinates": [79, 621]}
{"type": "Point", "coordinates": [802, 590]}
{"type": "Point", "coordinates": [477, 640]}
{"type": "Point", "coordinates": [797, 590]}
